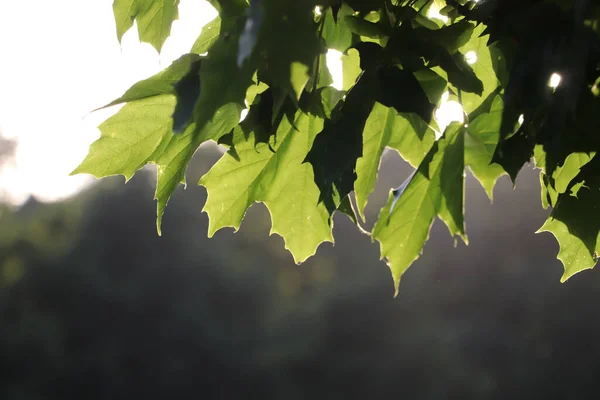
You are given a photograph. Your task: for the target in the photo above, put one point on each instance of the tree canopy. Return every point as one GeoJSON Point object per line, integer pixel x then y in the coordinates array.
{"type": "Point", "coordinates": [526, 73]}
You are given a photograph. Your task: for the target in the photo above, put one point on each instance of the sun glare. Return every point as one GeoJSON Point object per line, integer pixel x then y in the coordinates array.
{"type": "Point", "coordinates": [334, 64]}
{"type": "Point", "coordinates": [554, 80]}
{"type": "Point", "coordinates": [52, 123]}
{"type": "Point", "coordinates": [434, 12]}
{"type": "Point", "coordinates": [471, 57]}
{"type": "Point", "coordinates": [449, 111]}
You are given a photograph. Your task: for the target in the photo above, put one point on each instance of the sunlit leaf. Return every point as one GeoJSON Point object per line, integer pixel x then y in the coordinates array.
{"type": "Point", "coordinates": [481, 139]}
{"type": "Point", "coordinates": [208, 36]}
{"type": "Point", "coordinates": [337, 34]}
{"type": "Point", "coordinates": [385, 127]}
{"type": "Point", "coordinates": [575, 228]}
{"type": "Point", "coordinates": [436, 188]}
{"type": "Point", "coordinates": [160, 83]}
{"type": "Point", "coordinates": [140, 133]}
{"type": "Point", "coordinates": [154, 19]}
{"type": "Point", "coordinates": [350, 68]}
{"type": "Point", "coordinates": [477, 52]}
{"type": "Point", "coordinates": [279, 179]}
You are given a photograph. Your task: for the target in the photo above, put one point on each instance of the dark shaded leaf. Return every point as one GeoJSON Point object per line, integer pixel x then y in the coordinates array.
{"type": "Point", "coordinates": [335, 150]}
{"type": "Point", "coordinates": [365, 28]}
{"type": "Point", "coordinates": [371, 54]}
{"type": "Point", "coordinates": [450, 37]}
{"type": "Point", "coordinates": [481, 139]}
{"type": "Point", "coordinates": [401, 90]}
{"type": "Point", "coordinates": [187, 91]}
{"type": "Point", "coordinates": [460, 73]}
{"type": "Point", "coordinates": [347, 209]}
{"type": "Point", "coordinates": [289, 45]}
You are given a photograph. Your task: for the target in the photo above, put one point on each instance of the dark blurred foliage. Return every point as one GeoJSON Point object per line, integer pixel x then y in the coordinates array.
{"type": "Point", "coordinates": [94, 305]}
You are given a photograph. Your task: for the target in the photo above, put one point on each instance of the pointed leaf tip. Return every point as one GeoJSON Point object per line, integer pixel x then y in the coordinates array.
{"type": "Point", "coordinates": [436, 188]}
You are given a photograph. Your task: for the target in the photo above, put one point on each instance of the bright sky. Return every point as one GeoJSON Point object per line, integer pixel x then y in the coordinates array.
{"type": "Point", "coordinates": [63, 61]}
{"type": "Point", "coordinates": [58, 61]}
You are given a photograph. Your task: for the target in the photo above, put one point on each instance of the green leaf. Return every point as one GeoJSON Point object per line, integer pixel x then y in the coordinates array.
{"type": "Point", "coordinates": [279, 179]}
{"type": "Point", "coordinates": [154, 23]}
{"type": "Point", "coordinates": [409, 48]}
{"type": "Point", "coordinates": [324, 78]}
{"type": "Point", "coordinates": [450, 37]}
{"type": "Point", "coordinates": [336, 149]}
{"type": "Point", "coordinates": [145, 123]}
{"type": "Point", "coordinates": [154, 19]}
{"type": "Point", "coordinates": [401, 89]}
{"type": "Point", "coordinates": [160, 83]}
{"type": "Point", "coordinates": [483, 67]}
{"type": "Point", "coordinates": [299, 78]}
{"type": "Point", "coordinates": [481, 138]}
{"type": "Point", "coordinates": [460, 74]}
{"type": "Point", "coordinates": [140, 133]}
{"type": "Point", "coordinates": [222, 81]}
{"type": "Point", "coordinates": [436, 188]}
{"type": "Point", "coordinates": [385, 127]}
{"type": "Point", "coordinates": [350, 68]}
{"type": "Point", "coordinates": [433, 84]}
{"type": "Point", "coordinates": [330, 98]}
{"type": "Point", "coordinates": [364, 28]}
{"type": "Point", "coordinates": [514, 152]}
{"type": "Point", "coordinates": [576, 229]}
{"type": "Point", "coordinates": [563, 176]}
{"type": "Point", "coordinates": [208, 36]}
{"type": "Point", "coordinates": [289, 44]}
{"type": "Point", "coordinates": [124, 12]}
{"type": "Point", "coordinates": [337, 35]}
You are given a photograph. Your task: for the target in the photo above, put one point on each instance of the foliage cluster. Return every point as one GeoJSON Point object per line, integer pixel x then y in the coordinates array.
{"type": "Point", "coordinates": [305, 147]}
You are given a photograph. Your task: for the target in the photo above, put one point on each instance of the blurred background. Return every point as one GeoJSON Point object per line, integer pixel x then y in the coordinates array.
{"type": "Point", "coordinates": [94, 305]}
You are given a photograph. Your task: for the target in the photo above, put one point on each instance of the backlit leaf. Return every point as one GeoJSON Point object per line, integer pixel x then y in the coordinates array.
{"type": "Point", "coordinates": [336, 149]}
{"type": "Point", "coordinates": [480, 59]}
{"type": "Point", "coordinates": [386, 127]}
{"type": "Point", "coordinates": [160, 83]}
{"type": "Point", "coordinates": [481, 139]}
{"type": "Point", "coordinates": [140, 133]}
{"type": "Point", "coordinates": [208, 36]}
{"type": "Point", "coordinates": [436, 188]}
{"type": "Point", "coordinates": [154, 19]}
{"type": "Point", "coordinates": [277, 178]}
{"type": "Point", "coordinates": [337, 34]}
{"type": "Point", "coordinates": [576, 229]}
